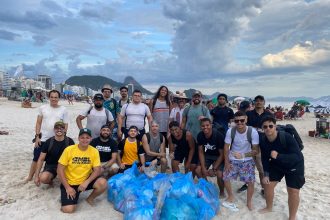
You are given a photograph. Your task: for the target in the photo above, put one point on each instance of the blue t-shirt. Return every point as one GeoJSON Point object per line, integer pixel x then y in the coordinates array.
{"type": "Point", "coordinates": [222, 116]}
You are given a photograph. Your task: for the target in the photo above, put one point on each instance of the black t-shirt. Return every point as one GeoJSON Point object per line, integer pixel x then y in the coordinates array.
{"type": "Point", "coordinates": [289, 156]}
{"type": "Point", "coordinates": [56, 150]}
{"type": "Point", "coordinates": [222, 115]}
{"type": "Point", "coordinates": [254, 119]}
{"type": "Point", "coordinates": [211, 145]}
{"type": "Point", "coordinates": [105, 148]}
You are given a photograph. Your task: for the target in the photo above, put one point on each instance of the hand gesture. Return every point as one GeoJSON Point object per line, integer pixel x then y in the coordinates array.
{"type": "Point", "coordinates": [70, 192]}
{"type": "Point", "coordinates": [265, 180]}
{"type": "Point", "coordinates": [82, 187]}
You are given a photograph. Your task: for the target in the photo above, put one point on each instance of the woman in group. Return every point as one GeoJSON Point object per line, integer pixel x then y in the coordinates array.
{"type": "Point", "coordinates": [160, 107]}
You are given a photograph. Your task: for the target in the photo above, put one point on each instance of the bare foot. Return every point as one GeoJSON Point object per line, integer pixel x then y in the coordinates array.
{"type": "Point", "coordinates": [26, 180]}
{"type": "Point", "coordinates": [230, 199]}
{"type": "Point", "coordinates": [264, 210]}
{"type": "Point", "coordinates": [250, 207]}
{"type": "Point", "coordinates": [90, 201]}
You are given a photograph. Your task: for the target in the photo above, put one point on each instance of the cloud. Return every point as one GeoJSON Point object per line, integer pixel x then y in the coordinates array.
{"type": "Point", "coordinates": [98, 11]}
{"type": "Point", "coordinates": [207, 30]}
{"type": "Point", "coordinates": [140, 34]}
{"type": "Point", "coordinates": [300, 55]}
{"type": "Point", "coordinates": [40, 40]}
{"type": "Point", "coordinates": [6, 35]}
{"type": "Point", "coordinates": [37, 19]}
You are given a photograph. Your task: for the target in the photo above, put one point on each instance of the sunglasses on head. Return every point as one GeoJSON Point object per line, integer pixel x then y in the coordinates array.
{"type": "Point", "coordinates": [267, 126]}
{"type": "Point", "coordinates": [239, 120]}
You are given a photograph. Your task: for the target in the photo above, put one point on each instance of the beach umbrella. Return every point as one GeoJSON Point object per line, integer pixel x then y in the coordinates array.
{"type": "Point", "coordinates": [239, 99]}
{"type": "Point", "coordinates": [323, 110]}
{"type": "Point", "coordinates": [68, 92]}
{"type": "Point", "coordinates": [302, 102]}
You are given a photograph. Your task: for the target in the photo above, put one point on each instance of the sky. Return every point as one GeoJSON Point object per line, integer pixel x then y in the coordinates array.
{"type": "Point", "coordinates": [242, 47]}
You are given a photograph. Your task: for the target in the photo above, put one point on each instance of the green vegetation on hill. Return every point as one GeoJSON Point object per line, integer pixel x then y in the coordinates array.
{"type": "Point", "coordinates": [97, 82]}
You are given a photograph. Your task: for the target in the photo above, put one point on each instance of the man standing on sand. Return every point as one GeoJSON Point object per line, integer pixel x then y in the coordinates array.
{"type": "Point", "coordinates": [47, 116]}
{"type": "Point", "coordinates": [193, 114]}
{"type": "Point", "coordinates": [241, 144]}
{"type": "Point", "coordinates": [281, 157]}
{"type": "Point", "coordinates": [112, 105]}
{"type": "Point", "coordinates": [79, 169]}
{"type": "Point", "coordinates": [51, 151]}
{"type": "Point", "coordinates": [222, 114]}
{"type": "Point", "coordinates": [133, 114]}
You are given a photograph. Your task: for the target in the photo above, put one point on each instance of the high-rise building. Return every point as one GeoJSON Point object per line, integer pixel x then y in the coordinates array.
{"type": "Point", "coordinates": [46, 79]}
{"type": "Point", "coordinates": [4, 81]}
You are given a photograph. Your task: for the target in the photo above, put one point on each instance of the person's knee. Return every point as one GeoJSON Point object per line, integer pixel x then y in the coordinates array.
{"type": "Point", "coordinates": [163, 161]}
{"type": "Point", "coordinates": [293, 191]}
{"type": "Point", "coordinates": [46, 177]}
{"type": "Point", "coordinates": [100, 184]}
{"type": "Point", "coordinates": [68, 208]}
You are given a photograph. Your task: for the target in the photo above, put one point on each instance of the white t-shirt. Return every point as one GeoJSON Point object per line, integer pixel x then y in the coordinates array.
{"type": "Point", "coordinates": [96, 119]}
{"type": "Point", "coordinates": [241, 143]}
{"type": "Point", "coordinates": [174, 112]}
{"type": "Point", "coordinates": [50, 115]}
{"type": "Point", "coordinates": [135, 114]}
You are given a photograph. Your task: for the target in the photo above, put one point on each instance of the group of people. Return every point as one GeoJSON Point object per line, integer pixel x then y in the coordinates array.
{"type": "Point", "coordinates": [217, 143]}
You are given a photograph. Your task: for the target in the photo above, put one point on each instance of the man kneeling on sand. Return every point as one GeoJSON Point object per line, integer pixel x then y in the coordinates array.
{"type": "Point", "coordinates": [51, 151]}
{"type": "Point", "coordinates": [79, 169]}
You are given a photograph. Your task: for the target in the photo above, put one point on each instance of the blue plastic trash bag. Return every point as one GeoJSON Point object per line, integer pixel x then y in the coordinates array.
{"type": "Point", "coordinates": [179, 209]}
{"type": "Point", "coordinates": [141, 213]}
{"type": "Point", "coordinates": [209, 192]}
{"type": "Point", "coordinates": [183, 186]}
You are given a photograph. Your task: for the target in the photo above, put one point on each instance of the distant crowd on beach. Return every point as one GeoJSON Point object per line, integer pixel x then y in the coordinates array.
{"type": "Point", "coordinates": [207, 139]}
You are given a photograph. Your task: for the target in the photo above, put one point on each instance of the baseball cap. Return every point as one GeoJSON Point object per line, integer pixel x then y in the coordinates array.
{"type": "Point", "coordinates": [107, 86]}
{"type": "Point", "coordinates": [105, 126]}
{"type": "Point", "coordinates": [197, 93]}
{"type": "Point", "coordinates": [244, 105]}
{"type": "Point", "coordinates": [59, 124]}
{"type": "Point", "coordinates": [222, 95]}
{"type": "Point", "coordinates": [85, 131]}
{"type": "Point", "coordinates": [259, 97]}
{"type": "Point", "coordinates": [98, 96]}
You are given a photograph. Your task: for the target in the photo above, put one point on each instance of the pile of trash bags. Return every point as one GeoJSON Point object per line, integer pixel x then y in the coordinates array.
{"type": "Point", "coordinates": [152, 195]}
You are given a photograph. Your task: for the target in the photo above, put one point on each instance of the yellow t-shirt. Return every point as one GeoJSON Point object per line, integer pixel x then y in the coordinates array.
{"type": "Point", "coordinates": [130, 153]}
{"type": "Point", "coordinates": [79, 164]}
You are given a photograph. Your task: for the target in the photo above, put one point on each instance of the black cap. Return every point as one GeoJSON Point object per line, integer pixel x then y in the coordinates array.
{"type": "Point", "coordinates": [105, 126]}
{"type": "Point", "coordinates": [244, 105]}
{"type": "Point", "coordinates": [85, 131]}
{"type": "Point", "coordinates": [98, 96]}
{"type": "Point", "coordinates": [222, 95]}
{"type": "Point", "coordinates": [259, 97]}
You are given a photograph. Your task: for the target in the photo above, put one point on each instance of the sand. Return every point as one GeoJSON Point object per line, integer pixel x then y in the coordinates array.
{"type": "Point", "coordinates": [19, 201]}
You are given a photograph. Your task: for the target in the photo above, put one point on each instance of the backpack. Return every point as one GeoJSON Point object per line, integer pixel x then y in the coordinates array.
{"type": "Point", "coordinates": [204, 111]}
{"type": "Point", "coordinates": [160, 137]}
{"type": "Point", "coordinates": [219, 128]}
{"type": "Point", "coordinates": [126, 115]}
{"type": "Point", "coordinates": [51, 144]}
{"type": "Point", "coordinates": [289, 128]}
{"type": "Point", "coordinates": [106, 112]}
{"type": "Point", "coordinates": [138, 145]}
{"type": "Point", "coordinates": [249, 134]}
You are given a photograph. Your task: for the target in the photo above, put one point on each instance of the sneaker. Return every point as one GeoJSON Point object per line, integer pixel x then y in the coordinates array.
{"type": "Point", "coordinates": [230, 206]}
{"type": "Point", "coordinates": [243, 188]}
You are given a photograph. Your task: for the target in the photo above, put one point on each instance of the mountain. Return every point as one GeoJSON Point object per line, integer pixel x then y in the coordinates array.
{"type": "Point", "coordinates": [131, 80]}
{"type": "Point", "coordinates": [97, 82]}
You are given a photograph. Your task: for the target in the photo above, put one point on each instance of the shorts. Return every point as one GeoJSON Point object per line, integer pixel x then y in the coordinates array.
{"type": "Point", "coordinates": [210, 161]}
{"type": "Point", "coordinates": [181, 155]}
{"type": "Point", "coordinates": [294, 178]}
{"type": "Point", "coordinates": [51, 168]}
{"type": "Point", "coordinates": [244, 169]}
{"type": "Point", "coordinates": [68, 201]}
{"type": "Point", "coordinates": [37, 152]}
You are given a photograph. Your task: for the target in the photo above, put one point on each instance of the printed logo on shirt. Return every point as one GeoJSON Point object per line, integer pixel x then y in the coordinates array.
{"type": "Point", "coordinates": [209, 147]}
{"type": "Point", "coordinates": [103, 148]}
{"type": "Point", "coordinates": [81, 160]}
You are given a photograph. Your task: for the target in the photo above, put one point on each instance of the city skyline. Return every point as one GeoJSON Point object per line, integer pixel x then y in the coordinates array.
{"type": "Point", "coordinates": [273, 47]}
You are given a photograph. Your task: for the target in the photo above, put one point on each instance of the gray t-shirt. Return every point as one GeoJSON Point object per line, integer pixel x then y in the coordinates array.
{"type": "Point", "coordinates": [95, 120]}
{"type": "Point", "coordinates": [161, 113]}
{"type": "Point", "coordinates": [192, 113]}
{"type": "Point", "coordinates": [154, 145]}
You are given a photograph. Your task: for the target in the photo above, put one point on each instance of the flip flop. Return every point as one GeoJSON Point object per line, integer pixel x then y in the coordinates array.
{"type": "Point", "coordinates": [230, 206]}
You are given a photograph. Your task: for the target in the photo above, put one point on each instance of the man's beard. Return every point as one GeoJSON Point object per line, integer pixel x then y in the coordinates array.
{"type": "Point", "coordinates": [104, 136]}
{"type": "Point", "coordinates": [98, 105]}
{"type": "Point", "coordinates": [196, 102]}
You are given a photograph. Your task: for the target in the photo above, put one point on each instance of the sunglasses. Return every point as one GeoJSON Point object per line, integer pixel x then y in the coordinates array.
{"type": "Point", "coordinates": [239, 120]}
{"type": "Point", "coordinates": [269, 126]}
